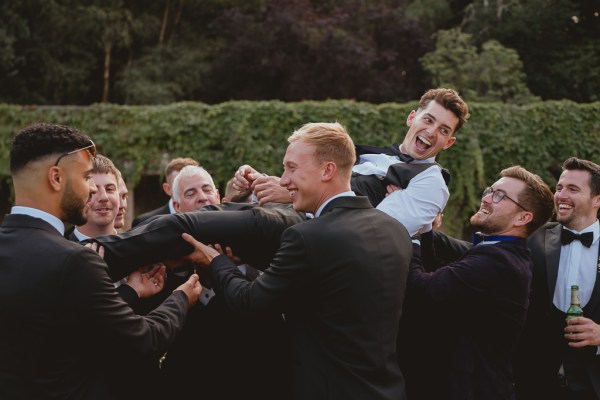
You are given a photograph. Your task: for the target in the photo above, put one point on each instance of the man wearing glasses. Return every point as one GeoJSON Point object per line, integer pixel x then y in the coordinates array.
{"type": "Point", "coordinates": [62, 324]}
{"type": "Point", "coordinates": [476, 306]}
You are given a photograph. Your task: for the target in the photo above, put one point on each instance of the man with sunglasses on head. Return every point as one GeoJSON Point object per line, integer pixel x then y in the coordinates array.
{"type": "Point", "coordinates": [62, 323]}
{"type": "Point", "coordinates": [476, 306]}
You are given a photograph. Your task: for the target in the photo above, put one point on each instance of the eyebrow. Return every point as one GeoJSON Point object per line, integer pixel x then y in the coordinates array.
{"type": "Point", "coordinates": [435, 119]}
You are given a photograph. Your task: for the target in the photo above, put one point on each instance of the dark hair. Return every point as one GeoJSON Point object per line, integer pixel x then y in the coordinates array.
{"type": "Point", "coordinates": [585, 165]}
{"type": "Point", "coordinates": [450, 100]}
{"type": "Point", "coordinates": [177, 164]}
{"type": "Point", "coordinates": [41, 140]}
{"type": "Point", "coordinates": [537, 197]}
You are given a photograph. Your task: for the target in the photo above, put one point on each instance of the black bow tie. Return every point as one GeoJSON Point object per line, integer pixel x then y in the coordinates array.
{"type": "Point", "coordinates": [586, 239]}
{"type": "Point", "coordinates": [394, 149]}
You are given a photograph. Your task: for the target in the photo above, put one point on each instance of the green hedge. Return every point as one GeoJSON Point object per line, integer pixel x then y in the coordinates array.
{"type": "Point", "coordinates": [141, 139]}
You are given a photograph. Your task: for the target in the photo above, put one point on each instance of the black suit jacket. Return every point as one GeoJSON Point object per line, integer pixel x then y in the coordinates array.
{"type": "Point", "coordinates": [164, 210]}
{"type": "Point", "coordinates": [340, 280]}
{"type": "Point", "coordinates": [62, 324]}
{"type": "Point", "coordinates": [253, 233]}
{"type": "Point", "coordinates": [478, 305]}
{"type": "Point", "coordinates": [544, 347]}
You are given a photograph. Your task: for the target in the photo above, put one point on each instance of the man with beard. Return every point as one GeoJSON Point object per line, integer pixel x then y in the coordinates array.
{"type": "Point", "coordinates": [477, 305]}
{"type": "Point", "coordinates": [565, 253]}
{"type": "Point", "coordinates": [62, 324]}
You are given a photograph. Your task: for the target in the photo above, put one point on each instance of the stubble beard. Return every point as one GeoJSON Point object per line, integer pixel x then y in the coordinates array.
{"type": "Point", "coordinates": [73, 207]}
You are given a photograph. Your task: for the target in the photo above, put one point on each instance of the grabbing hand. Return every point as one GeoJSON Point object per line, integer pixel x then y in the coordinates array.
{"type": "Point", "coordinates": [202, 254]}
{"type": "Point", "coordinates": [581, 331]}
{"type": "Point", "coordinates": [149, 283]}
{"type": "Point", "coordinates": [192, 289]}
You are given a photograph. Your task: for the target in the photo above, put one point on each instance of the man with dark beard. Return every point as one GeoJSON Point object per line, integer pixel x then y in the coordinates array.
{"type": "Point", "coordinates": [62, 324]}
{"type": "Point", "coordinates": [477, 305]}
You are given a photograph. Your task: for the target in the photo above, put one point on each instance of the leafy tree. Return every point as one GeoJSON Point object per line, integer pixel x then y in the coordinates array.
{"type": "Point", "coordinates": [492, 74]}
{"type": "Point", "coordinates": [557, 40]}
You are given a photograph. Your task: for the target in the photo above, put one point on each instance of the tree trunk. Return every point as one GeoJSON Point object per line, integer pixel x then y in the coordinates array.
{"type": "Point", "coordinates": [165, 21]}
{"type": "Point", "coordinates": [107, 52]}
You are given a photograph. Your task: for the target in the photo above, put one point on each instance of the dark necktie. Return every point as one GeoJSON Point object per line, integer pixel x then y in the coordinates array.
{"type": "Point", "coordinates": [394, 149]}
{"type": "Point", "coordinates": [566, 237]}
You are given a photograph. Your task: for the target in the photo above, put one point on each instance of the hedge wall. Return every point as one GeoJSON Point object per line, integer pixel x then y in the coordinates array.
{"type": "Point", "coordinates": [141, 139]}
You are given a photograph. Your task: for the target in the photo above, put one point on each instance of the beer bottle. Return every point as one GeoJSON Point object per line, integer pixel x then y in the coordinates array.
{"type": "Point", "coordinates": [575, 308]}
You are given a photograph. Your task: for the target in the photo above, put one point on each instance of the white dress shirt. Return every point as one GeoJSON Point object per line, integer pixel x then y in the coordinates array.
{"type": "Point", "coordinates": [577, 266]}
{"type": "Point", "coordinates": [416, 206]}
{"type": "Point", "coordinates": [34, 212]}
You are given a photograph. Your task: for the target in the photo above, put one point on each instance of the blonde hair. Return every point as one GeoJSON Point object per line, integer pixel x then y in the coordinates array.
{"type": "Point", "coordinates": [331, 142]}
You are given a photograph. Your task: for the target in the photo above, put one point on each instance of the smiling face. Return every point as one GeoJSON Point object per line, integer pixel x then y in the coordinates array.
{"type": "Point", "coordinates": [123, 194]}
{"type": "Point", "coordinates": [195, 192]}
{"type": "Point", "coordinates": [302, 177]}
{"type": "Point", "coordinates": [431, 130]}
{"type": "Point", "coordinates": [103, 206]}
{"type": "Point", "coordinates": [499, 218]}
{"type": "Point", "coordinates": [576, 208]}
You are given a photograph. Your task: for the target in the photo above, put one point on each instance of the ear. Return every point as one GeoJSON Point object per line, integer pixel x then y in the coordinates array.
{"type": "Point", "coordinates": [450, 142]}
{"type": "Point", "coordinates": [596, 202]}
{"type": "Point", "coordinates": [167, 189]}
{"type": "Point", "coordinates": [329, 171]}
{"type": "Point", "coordinates": [411, 118]}
{"type": "Point", "coordinates": [175, 205]}
{"type": "Point", "coordinates": [523, 218]}
{"type": "Point", "coordinates": [218, 195]}
{"type": "Point", "coordinates": [55, 178]}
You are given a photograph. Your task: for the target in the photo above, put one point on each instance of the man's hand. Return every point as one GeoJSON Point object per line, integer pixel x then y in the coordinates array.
{"type": "Point", "coordinates": [268, 190]}
{"type": "Point", "coordinates": [581, 331]}
{"type": "Point", "coordinates": [202, 254]}
{"type": "Point", "coordinates": [149, 283]}
{"type": "Point", "coordinates": [96, 247]}
{"type": "Point", "coordinates": [244, 177]}
{"type": "Point", "coordinates": [192, 289]}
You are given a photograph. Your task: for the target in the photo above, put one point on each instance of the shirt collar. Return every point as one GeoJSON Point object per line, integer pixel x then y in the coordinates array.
{"type": "Point", "coordinates": [35, 213]}
{"type": "Point", "coordinates": [343, 194]}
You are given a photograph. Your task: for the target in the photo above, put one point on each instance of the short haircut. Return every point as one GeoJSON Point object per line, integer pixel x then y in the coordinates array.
{"type": "Point", "coordinates": [450, 100]}
{"type": "Point", "coordinates": [177, 164]}
{"type": "Point", "coordinates": [189, 171]}
{"type": "Point", "coordinates": [103, 165]}
{"type": "Point", "coordinates": [536, 198]}
{"type": "Point", "coordinates": [574, 163]}
{"type": "Point", "coordinates": [41, 140]}
{"type": "Point", "coordinates": [331, 142]}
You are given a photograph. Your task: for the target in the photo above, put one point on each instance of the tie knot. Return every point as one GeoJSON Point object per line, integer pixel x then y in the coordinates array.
{"type": "Point", "coordinates": [566, 237]}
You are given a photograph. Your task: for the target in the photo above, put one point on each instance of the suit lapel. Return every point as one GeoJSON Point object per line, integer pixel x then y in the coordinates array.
{"type": "Point", "coordinates": [552, 246]}
{"type": "Point", "coordinates": [595, 299]}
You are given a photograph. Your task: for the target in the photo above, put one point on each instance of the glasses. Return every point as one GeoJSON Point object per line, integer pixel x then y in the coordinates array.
{"type": "Point", "coordinates": [91, 148]}
{"type": "Point", "coordinates": [498, 195]}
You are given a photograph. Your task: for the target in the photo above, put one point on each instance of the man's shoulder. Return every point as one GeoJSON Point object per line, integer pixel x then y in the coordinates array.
{"type": "Point", "coordinates": [163, 210]}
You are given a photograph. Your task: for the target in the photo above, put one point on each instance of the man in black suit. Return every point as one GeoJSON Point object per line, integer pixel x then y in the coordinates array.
{"type": "Point", "coordinates": [171, 171]}
{"type": "Point", "coordinates": [338, 277]}
{"type": "Point", "coordinates": [62, 324]}
{"type": "Point", "coordinates": [476, 306]}
{"type": "Point", "coordinates": [561, 260]}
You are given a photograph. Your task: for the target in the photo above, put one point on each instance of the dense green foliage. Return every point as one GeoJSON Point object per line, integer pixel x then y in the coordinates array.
{"type": "Point", "coordinates": [141, 139]}
{"type": "Point", "coordinates": [163, 51]}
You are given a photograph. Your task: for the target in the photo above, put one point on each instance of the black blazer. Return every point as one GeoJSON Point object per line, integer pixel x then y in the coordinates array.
{"type": "Point", "coordinates": [163, 210]}
{"type": "Point", "coordinates": [340, 280]}
{"type": "Point", "coordinates": [62, 324]}
{"type": "Point", "coordinates": [253, 233]}
{"type": "Point", "coordinates": [544, 347]}
{"type": "Point", "coordinates": [478, 305]}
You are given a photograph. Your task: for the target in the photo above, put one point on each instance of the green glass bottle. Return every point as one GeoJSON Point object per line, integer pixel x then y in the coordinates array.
{"type": "Point", "coordinates": [575, 308]}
